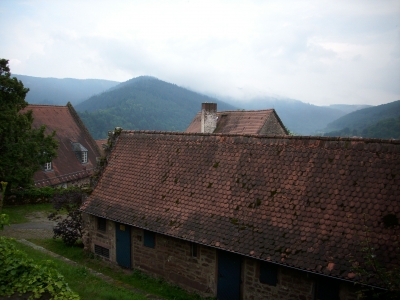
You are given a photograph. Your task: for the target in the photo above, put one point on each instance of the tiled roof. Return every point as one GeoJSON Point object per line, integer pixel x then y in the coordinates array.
{"type": "Point", "coordinates": [240, 121]}
{"type": "Point", "coordinates": [69, 128]}
{"type": "Point", "coordinates": [299, 201]}
{"type": "Point", "coordinates": [100, 145]}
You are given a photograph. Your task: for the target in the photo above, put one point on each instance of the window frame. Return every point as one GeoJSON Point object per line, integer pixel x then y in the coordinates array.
{"type": "Point", "coordinates": [268, 273]}
{"type": "Point", "coordinates": [48, 166]}
{"type": "Point", "coordinates": [149, 239]}
{"type": "Point", "coordinates": [84, 157]}
{"type": "Point", "coordinates": [326, 288]}
{"type": "Point", "coordinates": [194, 250]}
{"type": "Point", "coordinates": [101, 224]}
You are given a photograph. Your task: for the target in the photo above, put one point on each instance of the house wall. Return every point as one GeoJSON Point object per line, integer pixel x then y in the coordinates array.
{"type": "Point", "coordinates": [272, 127]}
{"type": "Point", "coordinates": [171, 259]}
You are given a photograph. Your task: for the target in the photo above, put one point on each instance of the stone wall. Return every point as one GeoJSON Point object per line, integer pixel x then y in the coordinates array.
{"type": "Point", "coordinates": [291, 284]}
{"type": "Point", "coordinates": [92, 236]}
{"type": "Point", "coordinates": [172, 260]}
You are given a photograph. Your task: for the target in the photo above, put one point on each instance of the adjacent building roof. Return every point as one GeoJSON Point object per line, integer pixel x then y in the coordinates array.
{"type": "Point", "coordinates": [72, 137]}
{"type": "Point", "coordinates": [265, 122]}
{"type": "Point", "coordinates": [304, 202]}
{"type": "Point", "coordinates": [100, 144]}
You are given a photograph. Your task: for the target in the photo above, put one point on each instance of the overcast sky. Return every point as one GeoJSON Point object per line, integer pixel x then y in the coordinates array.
{"type": "Point", "coordinates": [320, 52]}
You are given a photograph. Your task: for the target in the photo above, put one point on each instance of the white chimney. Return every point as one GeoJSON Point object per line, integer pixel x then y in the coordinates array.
{"type": "Point", "coordinates": [208, 117]}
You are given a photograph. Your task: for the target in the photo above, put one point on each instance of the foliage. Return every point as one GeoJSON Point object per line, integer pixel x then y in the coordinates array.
{"type": "Point", "coordinates": [372, 270]}
{"type": "Point", "coordinates": [23, 149]}
{"type": "Point", "coordinates": [365, 118]}
{"type": "Point", "coordinates": [4, 218]}
{"type": "Point", "coordinates": [34, 195]}
{"type": "Point", "coordinates": [385, 129]}
{"type": "Point", "coordinates": [135, 279]}
{"type": "Point", "coordinates": [18, 274]}
{"type": "Point", "coordinates": [70, 227]}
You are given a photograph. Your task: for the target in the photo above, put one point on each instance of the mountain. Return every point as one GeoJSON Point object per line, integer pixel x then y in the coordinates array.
{"type": "Point", "coordinates": [143, 103]}
{"type": "Point", "coordinates": [347, 108]}
{"type": "Point", "coordinates": [377, 122]}
{"type": "Point", "coordinates": [56, 91]}
{"type": "Point", "coordinates": [299, 117]}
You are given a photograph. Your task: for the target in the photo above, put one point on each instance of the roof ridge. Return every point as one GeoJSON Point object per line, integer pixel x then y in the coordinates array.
{"type": "Point", "coordinates": [80, 123]}
{"type": "Point", "coordinates": [47, 105]}
{"type": "Point", "coordinates": [283, 137]}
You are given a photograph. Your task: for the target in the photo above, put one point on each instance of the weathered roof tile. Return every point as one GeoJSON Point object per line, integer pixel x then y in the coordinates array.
{"type": "Point", "coordinates": [296, 201]}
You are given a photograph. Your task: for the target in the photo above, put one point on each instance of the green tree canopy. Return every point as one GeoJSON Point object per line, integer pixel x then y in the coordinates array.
{"type": "Point", "coordinates": [23, 149]}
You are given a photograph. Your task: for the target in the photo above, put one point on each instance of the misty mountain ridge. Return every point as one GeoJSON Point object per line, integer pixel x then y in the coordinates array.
{"type": "Point", "coordinates": [159, 105]}
{"type": "Point", "coordinates": [299, 117]}
{"type": "Point", "coordinates": [348, 108]}
{"type": "Point", "coordinates": [143, 103]}
{"type": "Point", "coordinates": [55, 91]}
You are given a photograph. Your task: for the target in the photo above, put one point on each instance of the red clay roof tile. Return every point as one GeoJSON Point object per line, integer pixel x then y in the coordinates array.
{"type": "Point", "coordinates": [205, 188]}
{"type": "Point", "coordinates": [69, 128]}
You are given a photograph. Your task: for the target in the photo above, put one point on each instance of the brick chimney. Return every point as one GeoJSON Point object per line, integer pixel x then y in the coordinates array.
{"type": "Point", "coordinates": [208, 117]}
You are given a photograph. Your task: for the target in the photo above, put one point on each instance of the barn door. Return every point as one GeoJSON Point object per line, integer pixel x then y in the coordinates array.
{"type": "Point", "coordinates": [229, 273]}
{"type": "Point", "coordinates": [123, 245]}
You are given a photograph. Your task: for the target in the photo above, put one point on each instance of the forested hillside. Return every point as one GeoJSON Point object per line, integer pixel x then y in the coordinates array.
{"type": "Point", "coordinates": [56, 91]}
{"type": "Point", "coordinates": [143, 103]}
{"type": "Point", "coordinates": [375, 122]}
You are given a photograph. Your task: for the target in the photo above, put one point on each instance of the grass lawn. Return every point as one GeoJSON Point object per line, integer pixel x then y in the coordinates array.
{"type": "Point", "coordinates": [135, 279]}
{"type": "Point", "coordinates": [18, 214]}
{"type": "Point", "coordinates": [80, 280]}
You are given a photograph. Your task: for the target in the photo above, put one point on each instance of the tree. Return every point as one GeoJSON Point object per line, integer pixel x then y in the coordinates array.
{"type": "Point", "coordinates": [23, 149]}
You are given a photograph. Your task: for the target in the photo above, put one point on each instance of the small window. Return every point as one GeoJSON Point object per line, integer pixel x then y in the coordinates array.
{"type": "Point", "coordinates": [101, 224]}
{"type": "Point", "coordinates": [149, 239]}
{"type": "Point", "coordinates": [80, 152]}
{"type": "Point", "coordinates": [102, 251]}
{"type": "Point", "coordinates": [48, 166]}
{"type": "Point", "coordinates": [193, 250]}
{"type": "Point", "coordinates": [84, 157]}
{"type": "Point", "coordinates": [327, 289]}
{"type": "Point", "coordinates": [268, 273]}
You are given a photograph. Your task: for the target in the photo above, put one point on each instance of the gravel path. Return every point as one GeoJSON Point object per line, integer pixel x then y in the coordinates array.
{"type": "Point", "coordinates": [38, 227]}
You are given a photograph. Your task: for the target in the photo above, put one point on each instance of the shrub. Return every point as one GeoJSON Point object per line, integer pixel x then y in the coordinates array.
{"type": "Point", "coordinates": [69, 228]}
{"type": "Point", "coordinates": [18, 274]}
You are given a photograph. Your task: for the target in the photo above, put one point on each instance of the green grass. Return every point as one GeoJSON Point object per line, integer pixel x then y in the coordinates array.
{"type": "Point", "coordinates": [80, 280]}
{"type": "Point", "coordinates": [18, 214]}
{"type": "Point", "coordinates": [136, 279]}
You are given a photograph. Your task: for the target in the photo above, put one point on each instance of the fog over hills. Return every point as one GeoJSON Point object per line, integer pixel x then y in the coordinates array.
{"type": "Point", "coordinates": [57, 91]}
{"type": "Point", "coordinates": [147, 103]}
{"type": "Point", "coordinates": [299, 117]}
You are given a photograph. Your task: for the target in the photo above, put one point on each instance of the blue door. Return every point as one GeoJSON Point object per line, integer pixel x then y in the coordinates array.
{"type": "Point", "coordinates": [229, 273]}
{"type": "Point", "coordinates": [123, 245]}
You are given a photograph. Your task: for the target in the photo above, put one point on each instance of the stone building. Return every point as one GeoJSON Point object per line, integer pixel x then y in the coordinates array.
{"type": "Point", "coordinates": [77, 150]}
{"type": "Point", "coordinates": [247, 216]}
{"type": "Point", "coordinates": [262, 122]}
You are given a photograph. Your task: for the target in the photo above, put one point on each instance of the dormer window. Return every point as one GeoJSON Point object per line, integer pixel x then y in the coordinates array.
{"type": "Point", "coordinates": [80, 152]}
{"type": "Point", "coordinates": [84, 157]}
{"type": "Point", "coordinates": [47, 166]}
